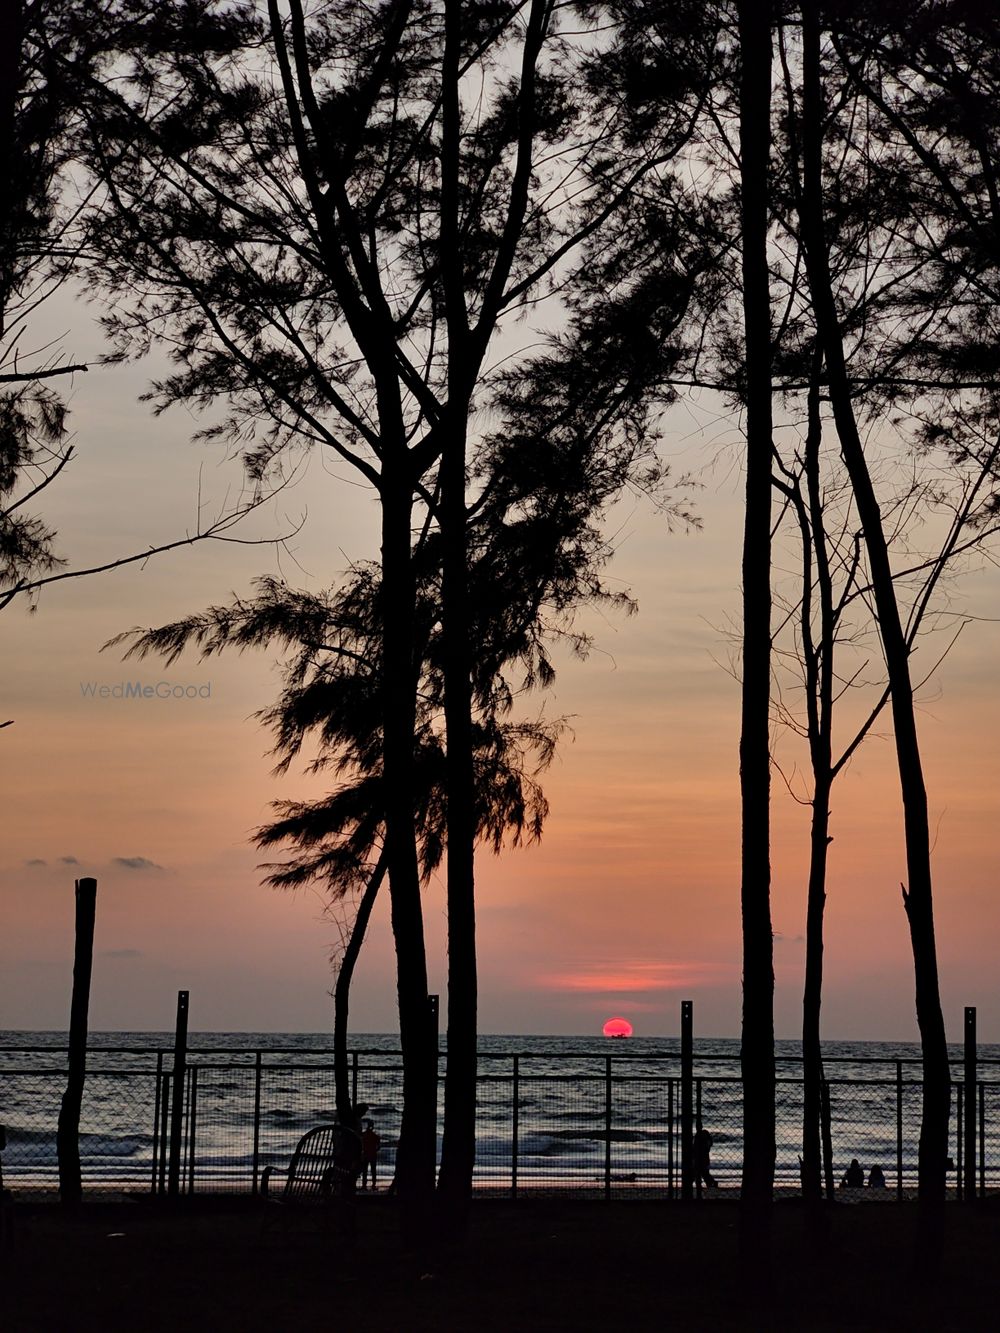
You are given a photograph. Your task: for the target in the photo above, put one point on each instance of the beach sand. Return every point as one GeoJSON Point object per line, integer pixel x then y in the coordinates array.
{"type": "Point", "coordinates": [534, 1266]}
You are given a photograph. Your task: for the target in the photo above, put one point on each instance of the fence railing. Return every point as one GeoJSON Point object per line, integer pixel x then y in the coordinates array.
{"type": "Point", "coordinates": [604, 1124]}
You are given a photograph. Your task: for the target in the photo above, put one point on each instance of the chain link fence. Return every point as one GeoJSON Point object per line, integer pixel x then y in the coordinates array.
{"type": "Point", "coordinates": [597, 1125]}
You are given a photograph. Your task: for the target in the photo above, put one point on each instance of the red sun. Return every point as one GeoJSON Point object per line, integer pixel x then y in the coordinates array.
{"type": "Point", "coordinates": [617, 1027]}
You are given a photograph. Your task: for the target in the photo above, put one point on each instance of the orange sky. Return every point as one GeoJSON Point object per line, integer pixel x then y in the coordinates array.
{"type": "Point", "coordinates": [629, 905]}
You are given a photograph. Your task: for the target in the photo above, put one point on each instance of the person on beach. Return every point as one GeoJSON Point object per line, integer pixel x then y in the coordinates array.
{"type": "Point", "coordinates": [876, 1178]}
{"type": "Point", "coordinates": [349, 1154]}
{"type": "Point", "coordinates": [701, 1157]}
{"type": "Point", "coordinates": [854, 1176]}
{"type": "Point", "coordinates": [370, 1144]}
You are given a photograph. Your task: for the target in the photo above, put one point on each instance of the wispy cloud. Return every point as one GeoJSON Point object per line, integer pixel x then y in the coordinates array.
{"type": "Point", "coordinates": [68, 861]}
{"type": "Point", "coordinates": [36, 861]}
{"type": "Point", "coordinates": [135, 863]}
{"type": "Point", "coordinates": [121, 953]}
{"type": "Point", "coordinates": [632, 978]}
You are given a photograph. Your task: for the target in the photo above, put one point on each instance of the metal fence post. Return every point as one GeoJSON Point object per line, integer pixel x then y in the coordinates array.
{"type": "Point", "coordinates": [164, 1123]}
{"type": "Point", "coordinates": [982, 1141]}
{"type": "Point", "coordinates": [899, 1129]}
{"type": "Point", "coordinates": [607, 1127]}
{"type": "Point", "coordinates": [257, 1080]}
{"type": "Point", "coordinates": [177, 1107]}
{"type": "Point", "coordinates": [433, 1050]}
{"type": "Point", "coordinates": [697, 1121]}
{"type": "Point", "coordinates": [671, 1130]}
{"type": "Point", "coordinates": [354, 1078]}
{"type": "Point", "coordinates": [157, 1147]}
{"type": "Point", "coordinates": [192, 1124]}
{"type": "Point", "coordinates": [960, 1141]}
{"type": "Point", "coordinates": [515, 1129]}
{"type": "Point", "coordinates": [687, 1087]}
{"type": "Point", "coordinates": [969, 1177]}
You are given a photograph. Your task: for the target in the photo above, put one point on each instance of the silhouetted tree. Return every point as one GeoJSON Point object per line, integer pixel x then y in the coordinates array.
{"type": "Point", "coordinates": [332, 250]}
{"type": "Point", "coordinates": [757, 1049]}
{"type": "Point", "coordinates": [47, 52]}
{"type": "Point", "coordinates": [833, 589]}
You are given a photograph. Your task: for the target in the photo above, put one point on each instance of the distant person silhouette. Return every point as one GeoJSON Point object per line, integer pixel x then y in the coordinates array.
{"type": "Point", "coordinates": [876, 1178]}
{"type": "Point", "coordinates": [701, 1150]}
{"type": "Point", "coordinates": [370, 1144]}
{"type": "Point", "coordinates": [854, 1176]}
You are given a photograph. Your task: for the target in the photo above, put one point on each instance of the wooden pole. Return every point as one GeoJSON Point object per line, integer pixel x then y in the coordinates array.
{"type": "Point", "coordinates": [687, 1096]}
{"type": "Point", "coordinates": [177, 1095]}
{"type": "Point", "coordinates": [68, 1132]}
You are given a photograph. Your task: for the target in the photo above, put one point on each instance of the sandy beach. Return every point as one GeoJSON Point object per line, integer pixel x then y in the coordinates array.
{"type": "Point", "coordinates": [534, 1266]}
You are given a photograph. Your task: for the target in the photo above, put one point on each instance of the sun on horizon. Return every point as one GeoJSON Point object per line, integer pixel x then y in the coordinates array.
{"type": "Point", "coordinates": [617, 1027]}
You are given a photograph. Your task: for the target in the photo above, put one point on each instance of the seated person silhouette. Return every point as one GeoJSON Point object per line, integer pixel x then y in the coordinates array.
{"type": "Point", "coordinates": [876, 1178]}
{"type": "Point", "coordinates": [854, 1176]}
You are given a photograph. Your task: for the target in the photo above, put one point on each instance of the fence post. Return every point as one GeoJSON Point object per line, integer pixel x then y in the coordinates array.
{"type": "Point", "coordinates": [157, 1146]}
{"type": "Point", "coordinates": [982, 1141]}
{"type": "Point", "coordinates": [970, 1104]}
{"type": "Point", "coordinates": [687, 1088]}
{"type": "Point", "coordinates": [164, 1119]}
{"type": "Point", "coordinates": [192, 1124]}
{"type": "Point", "coordinates": [515, 1129]}
{"type": "Point", "coordinates": [257, 1079]}
{"type": "Point", "coordinates": [177, 1096]}
{"type": "Point", "coordinates": [899, 1129]}
{"type": "Point", "coordinates": [433, 1040]}
{"type": "Point", "coordinates": [68, 1131]}
{"type": "Point", "coordinates": [607, 1127]}
{"type": "Point", "coordinates": [698, 1125]}
{"type": "Point", "coordinates": [671, 1130]}
{"type": "Point", "coordinates": [354, 1078]}
{"type": "Point", "coordinates": [960, 1140]}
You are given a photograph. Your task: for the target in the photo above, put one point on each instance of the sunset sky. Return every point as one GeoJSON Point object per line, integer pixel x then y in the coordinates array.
{"type": "Point", "coordinates": [630, 904]}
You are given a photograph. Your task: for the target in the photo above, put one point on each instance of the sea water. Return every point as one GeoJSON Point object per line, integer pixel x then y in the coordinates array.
{"type": "Point", "coordinates": [576, 1113]}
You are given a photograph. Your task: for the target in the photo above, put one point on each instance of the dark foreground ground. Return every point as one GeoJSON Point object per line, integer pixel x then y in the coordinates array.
{"type": "Point", "coordinates": [531, 1266]}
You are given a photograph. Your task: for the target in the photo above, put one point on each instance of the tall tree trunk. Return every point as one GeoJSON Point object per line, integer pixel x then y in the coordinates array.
{"type": "Point", "coordinates": [464, 359]}
{"type": "Point", "coordinates": [812, 995]}
{"type": "Point", "coordinates": [417, 1143]}
{"type": "Point", "coordinates": [917, 897]}
{"type": "Point", "coordinates": [459, 1146]}
{"type": "Point", "coordinates": [819, 659]}
{"type": "Point", "coordinates": [342, 988]}
{"type": "Point", "coordinates": [757, 1052]}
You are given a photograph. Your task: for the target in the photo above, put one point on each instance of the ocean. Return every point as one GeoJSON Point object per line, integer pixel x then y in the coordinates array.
{"type": "Point", "coordinates": [586, 1114]}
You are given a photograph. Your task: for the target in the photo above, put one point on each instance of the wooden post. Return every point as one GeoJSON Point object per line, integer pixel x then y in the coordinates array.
{"type": "Point", "coordinates": [687, 1091]}
{"type": "Point", "coordinates": [177, 1095]}
{"type": "Point", "coordinates": [970, 1104]}
{"type": "Point", "coordinates": [68, 1133]}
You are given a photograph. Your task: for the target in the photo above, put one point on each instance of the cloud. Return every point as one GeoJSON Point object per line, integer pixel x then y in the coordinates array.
{"type": "Point", "coordinates": [68, 861]}
{"type": "Point", "coordinates": [121, 953]}
{"type": "Point", "coordinates": [630, 978]}
{"type": "Point", "coordinates": [787, 939]}
{"type": "Point", "coordinates": [135, 863]}
{"type": "Point", "coordinates": [36, 861]}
